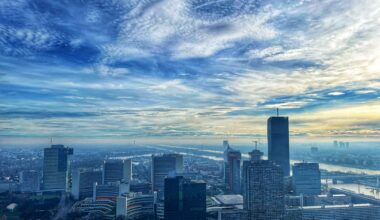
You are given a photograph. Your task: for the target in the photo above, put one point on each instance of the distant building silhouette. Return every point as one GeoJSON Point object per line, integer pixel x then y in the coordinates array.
{"type": "Point", "coordinates": [263, 188]}
{"type": "Point", "coordinates": [184, 199]}
{"type": "Point", "coordinates": [56, 167]}
{"type": "Point", "coordinates": [306, 179]}
{"type": "Point", "coordinates": [231, 169]}
{"type": "Point", "coordinates": [278, 142]}
{"type": "Point", "coordinates": [336, 145]}
{"type": "Point", "coordinates": [117, 170]}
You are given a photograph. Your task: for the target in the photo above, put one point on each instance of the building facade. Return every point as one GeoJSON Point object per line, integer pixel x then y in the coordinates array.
{"type": "Point", "coordinates": [306, 179]}
{"type": "Point", "coordinates": [117, 170]}
{"type": "Point", "coordinates": [30, 181]}
{"type": "Point", "coordinates": [83, 182]}
{"type": "Point", "coordinates": [263, 190]}
{"type": "Point", "coordinates": [162, 166]}
{"type": "Point", "coordinates": [184, 199]}
{"type": "Point", "coordinates": [278, 142]}
{"type": "Point", "coordinates": [231, 169]}
{"type": "Point", "coordinates": [109, 191]}
{"type": "Point", "coordinates": [56, 168]}
{"type": "Point", "coordinates": [135, 206]}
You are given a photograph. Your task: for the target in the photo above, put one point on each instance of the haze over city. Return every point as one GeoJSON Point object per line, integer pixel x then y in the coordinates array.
{"type": "Point", "coordinates": [189, 110]}
{"type": "Point", "coordinates": [183, 71]}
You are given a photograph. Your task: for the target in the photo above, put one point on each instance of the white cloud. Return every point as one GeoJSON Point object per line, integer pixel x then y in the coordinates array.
{"type": "Point", "coordinates": [365, 92]}
{"type": "Point", "coordinates": [335, 93]}
{"type": "Point", "coordinates": [287, 105]}
{"type": "Point", "coordinates": [193, 37]}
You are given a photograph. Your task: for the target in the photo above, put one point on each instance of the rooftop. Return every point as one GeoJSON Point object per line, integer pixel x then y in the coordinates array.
{"type": "Point", "coordinates": [339, 206]}
{"type": "Point", "coordinates": [230, 199]}
{"type": "Point", "coordinates": [358, 189]}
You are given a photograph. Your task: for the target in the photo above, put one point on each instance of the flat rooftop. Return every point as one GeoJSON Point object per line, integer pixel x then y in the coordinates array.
{"type": "Point", "coordinates": [358, 189]}
{"type": "Point", "coordinates": [339, 206]}
{"type": "Point", "coordinates": [235, 199]}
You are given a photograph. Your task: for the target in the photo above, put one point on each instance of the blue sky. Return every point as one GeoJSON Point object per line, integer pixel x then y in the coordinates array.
{"type": "Point", "coordinates": [176, 69]}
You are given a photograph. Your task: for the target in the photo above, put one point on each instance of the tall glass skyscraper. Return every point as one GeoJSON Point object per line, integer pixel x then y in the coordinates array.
{"type": "Point", "coordinates": [306, 179]}
{"type": "Point", "coordinates": [162, 166]}
{"type": "Point", "coordinates": [231, 169]}
{"type": "Point", "coordinates": [263, 188]}
{"type": "Point", "coordinates": [117, 170]}
{"type": "Point", "coordinates": [278, 142]}
{"type": "Point", "coordinates": [56, 167]}
{"type": "Point", "coordinates": [184, 199]}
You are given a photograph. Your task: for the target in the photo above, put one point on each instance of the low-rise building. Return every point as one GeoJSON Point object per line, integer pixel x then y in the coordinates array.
{"type": "Point", "coordinates": [226, 207]}
{"type": "Point", "coordinates": [335, 212]}
{"type": "Point", "coordinates": [135, 206]}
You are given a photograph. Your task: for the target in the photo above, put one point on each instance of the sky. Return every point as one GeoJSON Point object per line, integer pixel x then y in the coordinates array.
{"type": "Point", "coordinates": [187, 70]}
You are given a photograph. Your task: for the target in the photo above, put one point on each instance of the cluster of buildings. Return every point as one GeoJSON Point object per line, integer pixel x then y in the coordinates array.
{"type": "Point", "coordinates": [111, 192]}
{"type": "Point", "coordinates": [254, 189]}
{"type": "Point", "coordinates": [270, 189]}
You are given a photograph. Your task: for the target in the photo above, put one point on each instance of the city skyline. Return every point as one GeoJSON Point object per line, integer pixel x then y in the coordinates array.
{"type": "Point", "coordinates": [118, 71]}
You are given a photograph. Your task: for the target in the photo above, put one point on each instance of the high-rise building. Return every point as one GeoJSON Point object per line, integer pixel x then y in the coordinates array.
{"type": "Point", "coordinates": [162, 166]}
{"type": "Point", "coordinates": [231, 169]}
{"type": "Point", "coordinates": [30, 181]}
{"type": "Point", "coordinates": [306, 179]}
{"type": "Point", "coordinates": [83, 182]}
{"type": "Point", "coordinates": [117, 170]}
{"type": "Point", "coordinates": [184, 199]}
{"type": "Point", "coordinates": [278, 142]}
{"type": "Point", "coordinates": [263, 188]}
{"type": "Point", "coordinates": [56, 168]}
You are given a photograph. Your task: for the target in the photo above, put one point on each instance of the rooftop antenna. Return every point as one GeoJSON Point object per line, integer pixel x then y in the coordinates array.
{"type": "Point", "coordinates": [255, 144]}
{"type": "Point", "coordinates": [278, 112]}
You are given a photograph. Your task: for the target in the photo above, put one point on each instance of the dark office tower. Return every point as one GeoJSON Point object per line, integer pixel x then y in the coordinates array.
{"type": "Point", "coordinates": [278, 142]}
{"type": "Point", "coordinates": [263, 188]}
{"type": "Point", "coordinates": [56, 168]}
{"type": "Point", "coordinates": [306, 179]}
{"type": "Point", "coordinates": [162, 166]}
{"type": "Point", "coordinates": [184, 199]}
{"type": "Point", "coordinates": [117, 170]}
{"type": "Point", "coordinates": [231, 169]}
